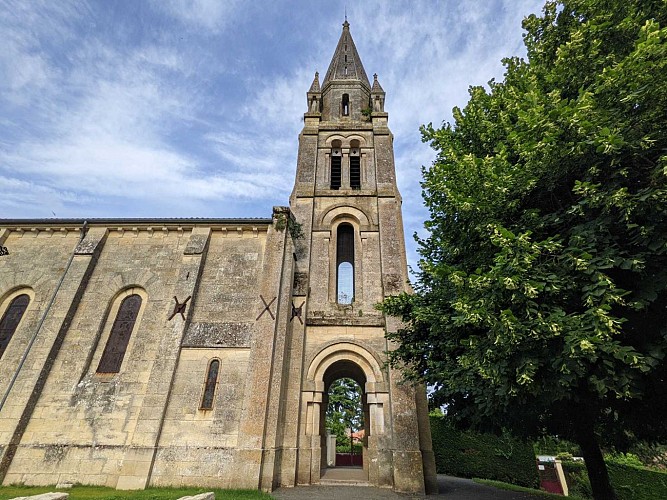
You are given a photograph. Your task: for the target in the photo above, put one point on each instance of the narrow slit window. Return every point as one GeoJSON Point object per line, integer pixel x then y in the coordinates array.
{"type": "Point", "coordinates": [345, 264]}
{"type": "Point", "coordinates": [346, 102]}
{"type": "Point", "coordinates": [336, 160]}
{"type": "Point", "coordinates": [209, 388]}
{"type": "Point", "coordinates": [355, 169]}
{"type": "Point", "coordinates": [114, 351]}
{"type": "Point", "coordinates": [11, 319]}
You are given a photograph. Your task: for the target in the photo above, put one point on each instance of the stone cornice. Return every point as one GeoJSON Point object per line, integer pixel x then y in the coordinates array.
{"type": "Point", "coordinates": [134, 225]}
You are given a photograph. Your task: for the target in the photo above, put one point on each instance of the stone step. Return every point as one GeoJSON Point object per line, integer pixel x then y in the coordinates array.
{"type": "Point", "coordinates": [343, 482]}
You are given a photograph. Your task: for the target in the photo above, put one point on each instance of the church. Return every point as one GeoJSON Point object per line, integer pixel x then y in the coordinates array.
{"type": "Point", "coordinates": [200, 351]}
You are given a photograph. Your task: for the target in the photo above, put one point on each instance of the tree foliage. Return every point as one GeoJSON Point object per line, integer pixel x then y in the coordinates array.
{"type": "Point", "coordinates": [541, 299]}
{"type": "Point", "coordinates": [344, 412]}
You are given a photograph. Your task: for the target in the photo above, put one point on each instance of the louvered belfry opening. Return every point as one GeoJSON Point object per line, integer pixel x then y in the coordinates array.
{"type": "Point", "coordinates": [114, 352]}
{"type": "Point", "coordinates": [355, 165]}
{"type": "Point", "coordinates": [355, 172]}
{"type": "Point", "coordinates": [11, 319]}
{"type": "Point", "coordinates": [335, 172]}
{"type": "Point", "coordinates": [336, 165]}
{"type": "Point", "coordinates": [345, 264]}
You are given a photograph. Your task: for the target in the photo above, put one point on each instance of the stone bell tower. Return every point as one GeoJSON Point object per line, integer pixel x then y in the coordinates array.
{"type": "Point", "coordinates": [351, 256]}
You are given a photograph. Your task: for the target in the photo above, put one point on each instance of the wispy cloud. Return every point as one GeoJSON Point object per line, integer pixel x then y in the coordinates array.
{"type": "Point", "coordinates": [211, 15]}
{"type": "Point", "coordinates": [182, 107]}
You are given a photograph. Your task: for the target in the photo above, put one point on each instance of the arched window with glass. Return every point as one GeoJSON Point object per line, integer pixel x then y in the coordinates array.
{"type": "Point", "coordinates": [345, 264]}
{"type": "Point", "coordinates": [119, 338]}
{"type": "Point", "coordinates": [11, 319]}
{"type": "Point", "coordinates": [210, 385]}
{"type": "Point", "coordinates": [345, 105]}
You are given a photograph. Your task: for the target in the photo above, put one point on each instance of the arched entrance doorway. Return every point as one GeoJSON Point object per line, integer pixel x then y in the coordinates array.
{"type": "Point", "coordinates": [344, 434]}
{"type": "Point", "coordinates": [333, 362]}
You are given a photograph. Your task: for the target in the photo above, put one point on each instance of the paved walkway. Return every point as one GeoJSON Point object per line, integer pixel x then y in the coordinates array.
{"type": "Point", "coordinates": [451, 488]}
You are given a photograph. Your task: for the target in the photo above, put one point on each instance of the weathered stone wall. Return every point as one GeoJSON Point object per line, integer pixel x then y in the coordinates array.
{"type": "Point", "coordinates": [227, 305]}
{"type": "Point", "coordinates": [359, 98]}
{"type": "Point", "coordinates": [35, 264]}
{"type": "Point", "coordinates": [57, 267]}
{"type": "Point", "coordinates": [197, 446]}
{"type": "Point", "coordinates": [92, 428]}
{"type": "Point", "coordinates": [90, 419]}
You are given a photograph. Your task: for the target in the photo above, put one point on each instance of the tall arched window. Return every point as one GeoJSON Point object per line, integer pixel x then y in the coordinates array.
{"type": "Point", "coordinates": [114, 352]}
{"type": "Point", "coordinates": [345, 264]}
{"type": "Point", "coordinates": [211, 382]}
{"type": "Point", "coordinates": [11, 319]}
{"type": "Point", "coordinates": [345, 105]}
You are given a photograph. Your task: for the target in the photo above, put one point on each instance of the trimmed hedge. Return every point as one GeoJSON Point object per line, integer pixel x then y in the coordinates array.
{"type": "Point", "coordinates": [635, 483]}
{"type": "Point", "coordinates": [471, 454]}
{"type": "Point", "coordinates": [629, 483]}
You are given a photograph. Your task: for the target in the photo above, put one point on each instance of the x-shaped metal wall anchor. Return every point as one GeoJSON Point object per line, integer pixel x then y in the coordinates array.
{"type": "Point", "coordinates": [296, 312]}
{"type": "Point", "coordinates": [267, 307]}
{"type": "Point", "coordinates": [179, 308]}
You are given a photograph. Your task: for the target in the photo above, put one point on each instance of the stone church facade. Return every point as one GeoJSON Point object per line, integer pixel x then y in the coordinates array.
{"type": "Point", "coordinates": [151, 352]}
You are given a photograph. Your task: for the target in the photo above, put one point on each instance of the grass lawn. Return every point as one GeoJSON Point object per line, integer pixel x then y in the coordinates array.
{"type": "Point", "coordinates": [514, 487]}
{"type": "Point", "coordinates": [101, 493]}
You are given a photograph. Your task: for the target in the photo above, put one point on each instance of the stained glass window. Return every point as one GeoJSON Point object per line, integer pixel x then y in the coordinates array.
{"type": "Point", "coordinates": [11, 319]}
{"type": "Point", "coordinates": [211, 381]}
{"type": "Point", "coordinates": [114, 352]}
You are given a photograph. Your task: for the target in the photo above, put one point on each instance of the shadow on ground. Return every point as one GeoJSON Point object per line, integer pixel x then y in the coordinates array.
{"type": "Point", "coordinates": [450, 488]}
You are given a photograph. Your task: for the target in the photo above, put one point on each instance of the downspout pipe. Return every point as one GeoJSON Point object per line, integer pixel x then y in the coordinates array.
{"type": "Point", "coordinates": [83, 230]}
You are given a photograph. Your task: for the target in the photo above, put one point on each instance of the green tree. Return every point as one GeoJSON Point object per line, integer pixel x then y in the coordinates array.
{"type": "Point", "coordinates": [541, 301]}
{"type": "Point", "coordinates": [344, 409]}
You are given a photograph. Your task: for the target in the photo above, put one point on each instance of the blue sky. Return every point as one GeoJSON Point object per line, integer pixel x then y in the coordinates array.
{"type": "Point", "coordinates": [175, 108]}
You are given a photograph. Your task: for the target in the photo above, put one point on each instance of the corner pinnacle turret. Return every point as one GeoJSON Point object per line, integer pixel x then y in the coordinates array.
{"type": "Point", "coordinates": [346, 63]}
{"type": "Point", "coordinates": [315, 86]}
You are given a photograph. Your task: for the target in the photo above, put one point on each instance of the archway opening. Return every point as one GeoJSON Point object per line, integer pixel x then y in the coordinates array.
{"type": "Point", "coordinates": [344, 426]}
{"type": "Point", "coordinates": [345, 423]}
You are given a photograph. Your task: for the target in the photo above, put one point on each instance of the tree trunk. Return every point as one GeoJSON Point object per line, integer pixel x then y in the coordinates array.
{"type": "Point", "coordinates": [597, 469]}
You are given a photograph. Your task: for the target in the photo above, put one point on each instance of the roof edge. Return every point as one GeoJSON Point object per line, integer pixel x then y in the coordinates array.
{"type": "Point", "coordinates": [143, 221]}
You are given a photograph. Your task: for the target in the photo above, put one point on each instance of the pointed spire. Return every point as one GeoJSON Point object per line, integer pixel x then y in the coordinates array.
{"type": "Point", "coordinates": [315, 87]}
{"type": "Point", "coordinates": [346, 63]}
{"type": "Point", "coordinates": [377, 88]}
